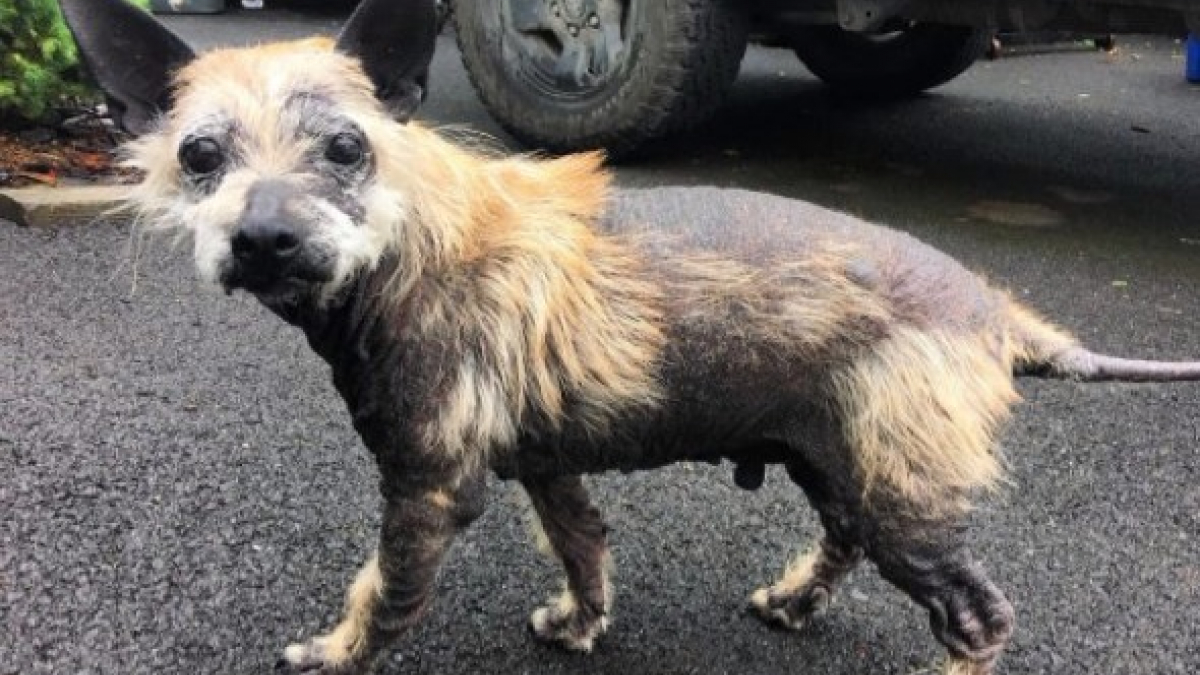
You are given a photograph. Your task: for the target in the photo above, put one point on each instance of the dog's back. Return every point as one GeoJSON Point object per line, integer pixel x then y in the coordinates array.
{"type": "Point", "coordinates": [921, 284]}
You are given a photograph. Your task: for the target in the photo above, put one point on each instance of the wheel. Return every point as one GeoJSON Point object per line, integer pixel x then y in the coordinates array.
{"type": "Point", "coordinates": [567, 75]}
{"type": "Point", "coordinates": [894, 64]}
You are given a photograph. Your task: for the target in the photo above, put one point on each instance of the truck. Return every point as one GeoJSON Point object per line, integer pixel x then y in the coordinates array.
{"type": "Point", "coordinates": [570, 75]}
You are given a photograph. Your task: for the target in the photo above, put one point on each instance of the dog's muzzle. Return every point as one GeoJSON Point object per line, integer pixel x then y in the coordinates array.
{"type": "Point", "coordinates": [271, 249]}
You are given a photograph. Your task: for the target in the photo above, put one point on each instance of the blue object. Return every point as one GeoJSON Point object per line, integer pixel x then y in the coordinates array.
{"type": "Point", "coordinates": [1193, 59]}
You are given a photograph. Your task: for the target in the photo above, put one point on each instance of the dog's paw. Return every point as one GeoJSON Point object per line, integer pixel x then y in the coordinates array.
{"type": "Point", "coordinates": [953, 666]}
{"type": "Point", "coordinates": [790, 608]}
{"type": "Point", "coordinates": [566, 626]}
{"type": "Point", "coordinates": [315, 657]}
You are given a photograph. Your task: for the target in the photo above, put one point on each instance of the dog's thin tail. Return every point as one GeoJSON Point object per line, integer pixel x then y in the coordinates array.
{"type": "Point", "coordinates": [1042, 350]}
{"type": "Point", "coordinates": [1077, 363]}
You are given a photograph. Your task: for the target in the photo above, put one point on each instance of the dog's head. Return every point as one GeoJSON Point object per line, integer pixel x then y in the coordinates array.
{"type": "Point", "coordinates": [268, 155]}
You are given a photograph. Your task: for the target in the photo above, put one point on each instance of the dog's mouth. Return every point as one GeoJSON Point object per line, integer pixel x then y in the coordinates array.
{"type": "Point", "coordinates": [291, 283]}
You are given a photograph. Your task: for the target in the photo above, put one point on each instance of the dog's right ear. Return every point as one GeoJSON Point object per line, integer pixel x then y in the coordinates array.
{"type": "Point", "coordinates": [131, 56]}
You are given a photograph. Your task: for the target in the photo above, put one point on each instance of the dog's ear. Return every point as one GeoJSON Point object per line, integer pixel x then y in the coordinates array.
{"type": "Point", "coordinates": [394, 40]}
{"type": "Point", "coordinates": [131, 56]}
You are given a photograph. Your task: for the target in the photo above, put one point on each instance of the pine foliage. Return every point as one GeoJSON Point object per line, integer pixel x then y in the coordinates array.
{"type": "Point", "coordinates": [38, 62]}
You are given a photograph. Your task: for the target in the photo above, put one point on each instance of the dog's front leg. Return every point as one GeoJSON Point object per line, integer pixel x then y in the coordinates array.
{"type": "Point", "coordinates": [576, 534]}
{"type": "Point", "coordinates": [394, 588]}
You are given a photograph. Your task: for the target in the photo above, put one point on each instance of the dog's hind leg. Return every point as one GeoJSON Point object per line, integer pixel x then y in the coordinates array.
{"type": "Point", "coordinates": [810, 581]}
{"type": "Point", "coordinates": [575, 534]}
{"type": "Point", "coordinates": [967, 612]}
{"type": "Point", "coordinates": [807, 585]}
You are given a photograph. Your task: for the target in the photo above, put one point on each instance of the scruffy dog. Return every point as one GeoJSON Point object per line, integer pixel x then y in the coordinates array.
{"type": "Point", "coordinates": [518, 316]}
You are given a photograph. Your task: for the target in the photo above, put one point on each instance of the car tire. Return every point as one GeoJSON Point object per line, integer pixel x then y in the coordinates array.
{"type": "Point", "coordinates": [891, 65]}
{"type": "Point", "coordinates": [569, 75]}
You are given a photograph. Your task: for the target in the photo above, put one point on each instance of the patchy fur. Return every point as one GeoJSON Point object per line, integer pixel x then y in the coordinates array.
{"type": "Point", "coordinates": [921, 412]}
{"type": "Point", "coordinates": [518, 315]}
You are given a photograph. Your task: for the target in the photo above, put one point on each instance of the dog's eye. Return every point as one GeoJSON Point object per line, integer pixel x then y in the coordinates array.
{"type": "Point", "coordinates": [344, 149]}
{"type": "Point", "coordinates": [201, 156]}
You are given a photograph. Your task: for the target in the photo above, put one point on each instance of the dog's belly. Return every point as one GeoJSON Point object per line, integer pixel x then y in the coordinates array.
{"type": "Point", "coordinates": [629, 448]}
{"type": "Point", "coordinates": [715, 407]}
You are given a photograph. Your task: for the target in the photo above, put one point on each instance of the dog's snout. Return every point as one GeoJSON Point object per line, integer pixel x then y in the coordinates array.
{"type": "Point", "coordinates": [274, 249]}
{"type": "Point", "coordinates": [267, 232]}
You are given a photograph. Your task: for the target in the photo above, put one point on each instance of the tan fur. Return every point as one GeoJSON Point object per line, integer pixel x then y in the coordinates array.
{"type": "Point", "coordinates": [546, 619]}
{"type": "Point", "coordinates": [1035, 340]}
{"type": "Point", "coordinates": [347, 639]}
{"type": "Point", "coordinates": [232, 83]}
{"type": "Point", "coordinates": [799, 572]}
{"type": "Point", "coordinates": [954, 666]}
{"type": "Point", "coordinates": [510, 265]}
{"type": "Point", "coordinates": [921, 411]}
{"type": "Point", "coordinates": [800, 304]}
{"type": "Point", "coordinates": [440, 499]}
{"type": "Point", "coordinates": [554, 310]}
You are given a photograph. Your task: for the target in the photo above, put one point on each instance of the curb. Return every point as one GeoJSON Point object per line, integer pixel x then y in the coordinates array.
{"type": "Point", "coordinates": [49, 207]}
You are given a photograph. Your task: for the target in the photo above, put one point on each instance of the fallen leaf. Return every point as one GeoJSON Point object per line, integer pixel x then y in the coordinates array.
{"type": "Point", "coordinates": [46, 178]}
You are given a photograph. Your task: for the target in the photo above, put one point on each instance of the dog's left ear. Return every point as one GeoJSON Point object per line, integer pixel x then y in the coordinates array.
{"type": "Point", "coordinates": [394, 39]}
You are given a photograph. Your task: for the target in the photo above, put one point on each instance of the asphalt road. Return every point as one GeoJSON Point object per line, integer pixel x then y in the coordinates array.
{"type": "Point", "coordinates": [180, 491]}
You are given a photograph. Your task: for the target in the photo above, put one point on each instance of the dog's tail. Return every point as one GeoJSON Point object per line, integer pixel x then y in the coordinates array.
{"type": "Point", "coordinates": [1042, 350]}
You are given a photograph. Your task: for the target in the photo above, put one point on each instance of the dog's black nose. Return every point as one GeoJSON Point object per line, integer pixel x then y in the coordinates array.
{"type": "Point", "coordinates": [265, 242]}
{"type": "Point", "coordinates": [267, 233]}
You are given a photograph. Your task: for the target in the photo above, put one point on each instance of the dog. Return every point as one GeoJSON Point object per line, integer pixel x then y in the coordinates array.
{"type": "Point", "coordinates": [519, 316]}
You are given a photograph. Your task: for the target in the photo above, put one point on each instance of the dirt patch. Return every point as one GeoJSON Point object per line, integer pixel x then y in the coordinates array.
{"type": "Point", "coordinates": [1020, 214]}
{"type": "Point", "coordinates": [80, 150]}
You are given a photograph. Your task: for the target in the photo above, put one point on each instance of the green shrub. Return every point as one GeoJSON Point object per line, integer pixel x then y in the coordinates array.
{"type": "Point", "coordinates": [38, 63]}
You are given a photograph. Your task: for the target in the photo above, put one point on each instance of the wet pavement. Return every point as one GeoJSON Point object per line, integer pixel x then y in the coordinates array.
{"type": "Point", "coordinates": [182, 492]}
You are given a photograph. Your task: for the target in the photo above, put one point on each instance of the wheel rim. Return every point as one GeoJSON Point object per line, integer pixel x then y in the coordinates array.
{"type": "Point", "coordinates": [568, 50]}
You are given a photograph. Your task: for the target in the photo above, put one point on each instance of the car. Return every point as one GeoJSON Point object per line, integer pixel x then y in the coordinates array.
{"type": "Point", "coordinates": [569, 75]}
